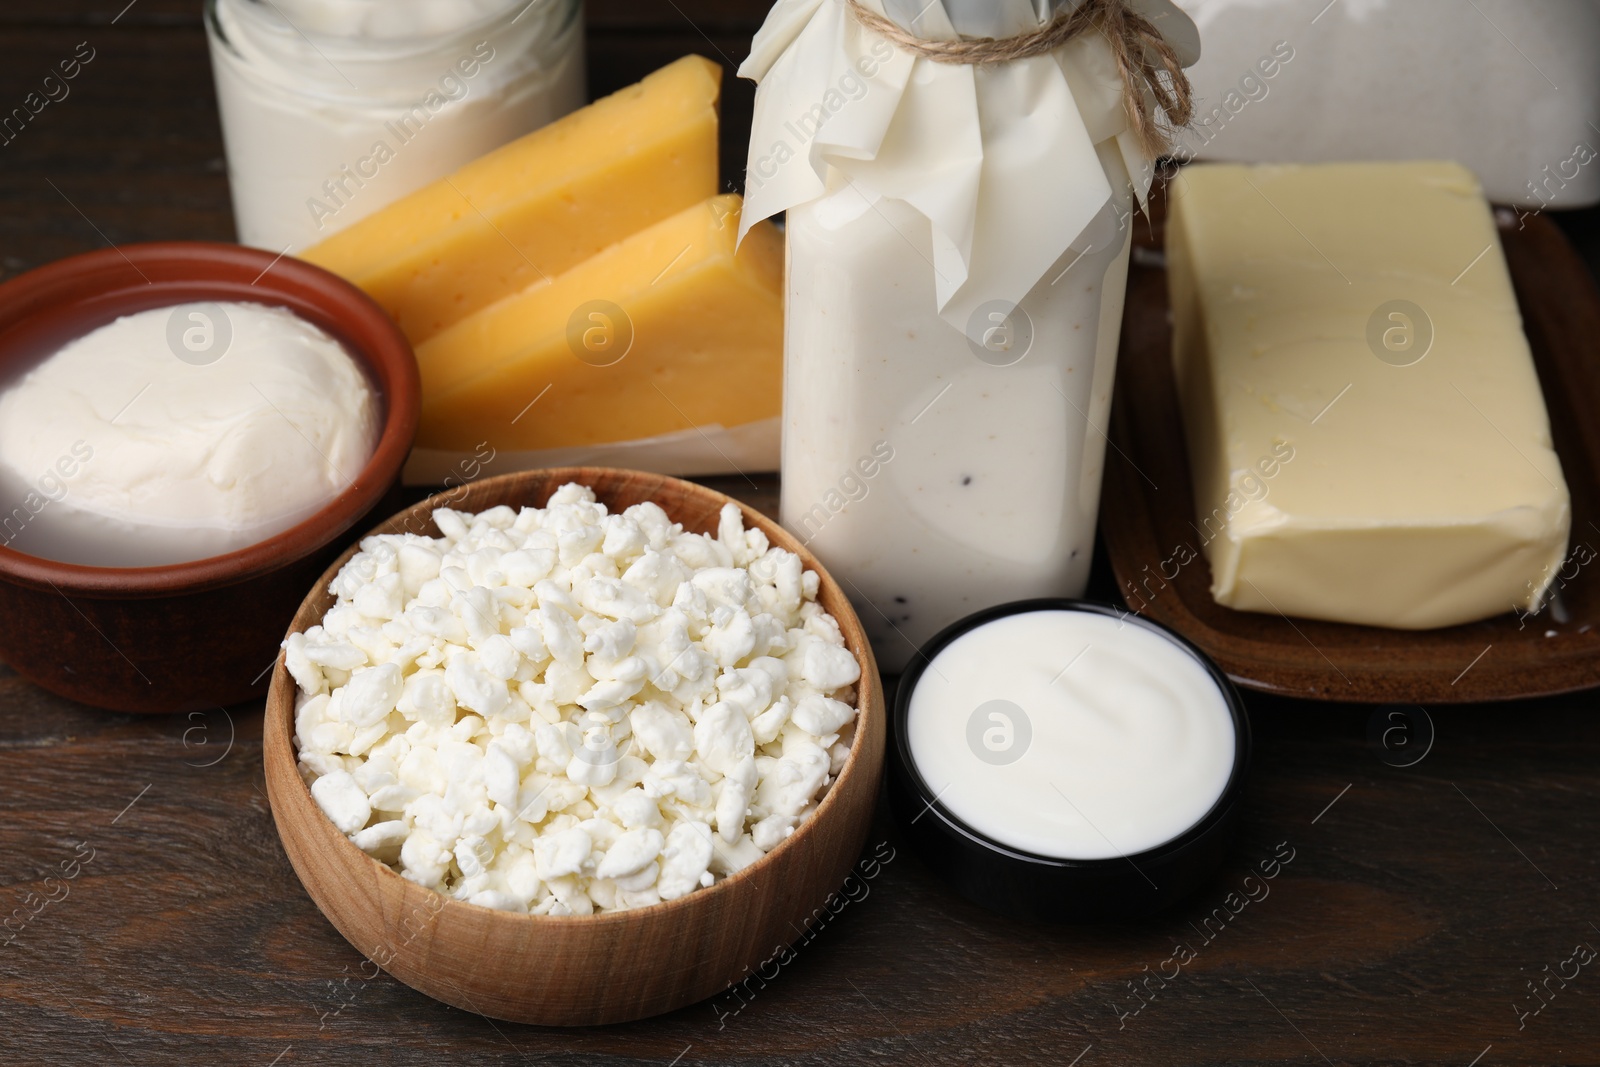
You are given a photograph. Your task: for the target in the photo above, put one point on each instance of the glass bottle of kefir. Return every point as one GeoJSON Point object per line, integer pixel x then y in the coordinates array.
{"type": "Point", "coordinates": [332, 109]}
{"type": "Point", "coordinates": [958, 238]}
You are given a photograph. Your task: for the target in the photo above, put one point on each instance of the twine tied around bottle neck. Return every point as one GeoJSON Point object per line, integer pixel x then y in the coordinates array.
{"type": "Point", "coordinates": [1141, 53]}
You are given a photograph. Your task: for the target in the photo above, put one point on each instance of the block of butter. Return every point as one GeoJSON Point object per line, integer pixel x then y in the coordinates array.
{"type": "Point", "coordinates": [538, 206]}
{"type": "Point", "coordinates": [1368, 439]}
{"type": "Point", "coordinates": [671, 330]}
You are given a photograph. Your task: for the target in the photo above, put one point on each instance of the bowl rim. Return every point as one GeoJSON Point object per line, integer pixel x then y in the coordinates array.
{"type": "Point", "coordinates": [387, 360]}
{"type": "Point", "coordinates": [869, 705]}
{"type": "Point", "coordinates": [900, 744]}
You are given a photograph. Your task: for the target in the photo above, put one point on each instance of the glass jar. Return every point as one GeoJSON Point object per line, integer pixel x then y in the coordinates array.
{"type": "Point", "coordinates": [958, 239]}
{"type": "Point", "coordinates": [332, 109]}
{"type": "Point", "coordinates": [938, 472]}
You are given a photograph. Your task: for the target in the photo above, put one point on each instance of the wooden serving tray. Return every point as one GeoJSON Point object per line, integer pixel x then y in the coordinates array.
{"type": "Point", "coordinates": [1148, 506]}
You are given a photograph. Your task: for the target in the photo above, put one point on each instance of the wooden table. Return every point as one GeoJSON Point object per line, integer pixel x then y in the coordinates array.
{"type": "Point", "coordinates": [1419, 904]}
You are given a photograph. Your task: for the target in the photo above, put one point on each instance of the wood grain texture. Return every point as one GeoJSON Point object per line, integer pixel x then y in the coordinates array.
{"type": "Point", "coordinates": [582, 970]}
{"type": "Point", "coordinates": [1404, 931]}
{"type": "Point", "coordinates": [1148, 515]}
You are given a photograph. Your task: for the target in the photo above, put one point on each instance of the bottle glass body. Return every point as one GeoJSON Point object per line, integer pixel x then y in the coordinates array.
{"type": "Point", "coordinates": [938, 472]}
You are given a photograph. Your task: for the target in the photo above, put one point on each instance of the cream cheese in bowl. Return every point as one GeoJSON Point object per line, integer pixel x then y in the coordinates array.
{"type": "Point", "coordinates": [1064, 760]}
{"type": "Point", "coordinates": [1071, 735]}
{"type": "Point", "coordinates": [180, 432]}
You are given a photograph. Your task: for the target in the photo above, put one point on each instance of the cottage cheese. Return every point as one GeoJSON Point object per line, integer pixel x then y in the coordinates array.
{"type": "Point", "coordinates": [562, 710]}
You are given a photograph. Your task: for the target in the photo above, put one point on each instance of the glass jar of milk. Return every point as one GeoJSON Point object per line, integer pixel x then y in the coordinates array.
{"type": "Point", "coordinates": [332, 109]}
{"type": "Point", "coordinates": [958, 240]}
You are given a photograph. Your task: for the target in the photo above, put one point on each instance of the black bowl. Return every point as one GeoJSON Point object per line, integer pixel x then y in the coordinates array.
{"type": "Point", "coordinates": [1042, 888]}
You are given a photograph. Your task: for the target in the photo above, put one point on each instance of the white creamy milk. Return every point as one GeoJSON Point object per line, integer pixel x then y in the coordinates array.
{"type": "Point", "coordinates": [958, 250]}
{"type": "Point", "coordinates": [178, 433]}
{"type": "Point", "coordinates": [993, 487]}
{"type": "Point", "coordinates": [332, 109]}
{"type": "Point", "coordinates": [1071, 735]}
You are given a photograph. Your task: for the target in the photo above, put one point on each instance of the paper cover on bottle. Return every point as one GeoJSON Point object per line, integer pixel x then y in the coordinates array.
{"type": "Point", "coordinates": [1010, 163]}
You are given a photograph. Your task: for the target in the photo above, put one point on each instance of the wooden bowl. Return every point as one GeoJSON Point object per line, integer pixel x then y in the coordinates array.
{"type": "Point", "coordinates": [593, 969]}
{"type": "Point", "coordinates": [187, 636]}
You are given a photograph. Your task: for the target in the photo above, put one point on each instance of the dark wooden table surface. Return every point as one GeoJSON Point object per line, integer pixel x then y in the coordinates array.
{"type": "Point", "coordinates": [1421, 907]}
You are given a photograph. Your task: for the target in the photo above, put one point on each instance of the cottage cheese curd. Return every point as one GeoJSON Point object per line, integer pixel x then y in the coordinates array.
{"type": "Point", "coordinates": [563, 710]}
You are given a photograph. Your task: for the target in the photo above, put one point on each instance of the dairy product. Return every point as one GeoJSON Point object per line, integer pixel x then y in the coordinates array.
{"type": "Point", "coordinates": [670, 330]}
{"type": "Point", "coordinates": [333, 108]}
{"type": "Point", "coordinates": [1071, 735]}
{"type": "Point", "coordinates": [562, 710]}
{"type": "Point", "coordinates": [705, 450]}
{"type": "Point", "coordinates": [994, 484]}
{"type": "Point", "coordinates": [957, 257]}
{"type": "Point", "coordinates": [539, 206]}
{"type": "Point", "coordinates": [181, 432]}
{"type": "Point", "coordinates": [1508, 88]}
{"type": "Point", "coordinates": [1366, 430]}
{"type": "Point", "coordinates": [389, 20]}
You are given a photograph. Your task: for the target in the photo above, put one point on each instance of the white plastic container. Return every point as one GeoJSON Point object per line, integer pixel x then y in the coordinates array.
{"type": "Point", "coordinates": [955, 292]}
{"type": "Point", "coordinates": [332, 109]}
{"type": "Point", "coordinates": [1508, 88]}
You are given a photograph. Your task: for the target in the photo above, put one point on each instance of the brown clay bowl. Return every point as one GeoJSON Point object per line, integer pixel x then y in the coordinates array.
{"type": "Point", "coordinates": [593, 969]}
{"type": "Point", "coordinates": [193, 635]}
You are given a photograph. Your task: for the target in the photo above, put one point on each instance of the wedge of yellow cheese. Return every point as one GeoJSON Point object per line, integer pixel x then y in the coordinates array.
{"type": "Point", "coordinates": [667, 331]}
{"type": "Point", "coordinates": [1366, 428]}
{"type": "Point", "coordinates": [538, 206]}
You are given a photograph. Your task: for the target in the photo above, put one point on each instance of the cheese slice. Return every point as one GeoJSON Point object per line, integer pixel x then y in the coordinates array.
{"type": "Point", "coordinates": [669, 330]}
{"type": "Point", "coordinates": [538, 206]}
{"type": "Point", "coordinates": [1366, 430]}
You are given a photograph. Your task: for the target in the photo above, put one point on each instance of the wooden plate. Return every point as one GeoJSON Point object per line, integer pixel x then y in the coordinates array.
{"type": "Point", "coordinates": [1148, 506]}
